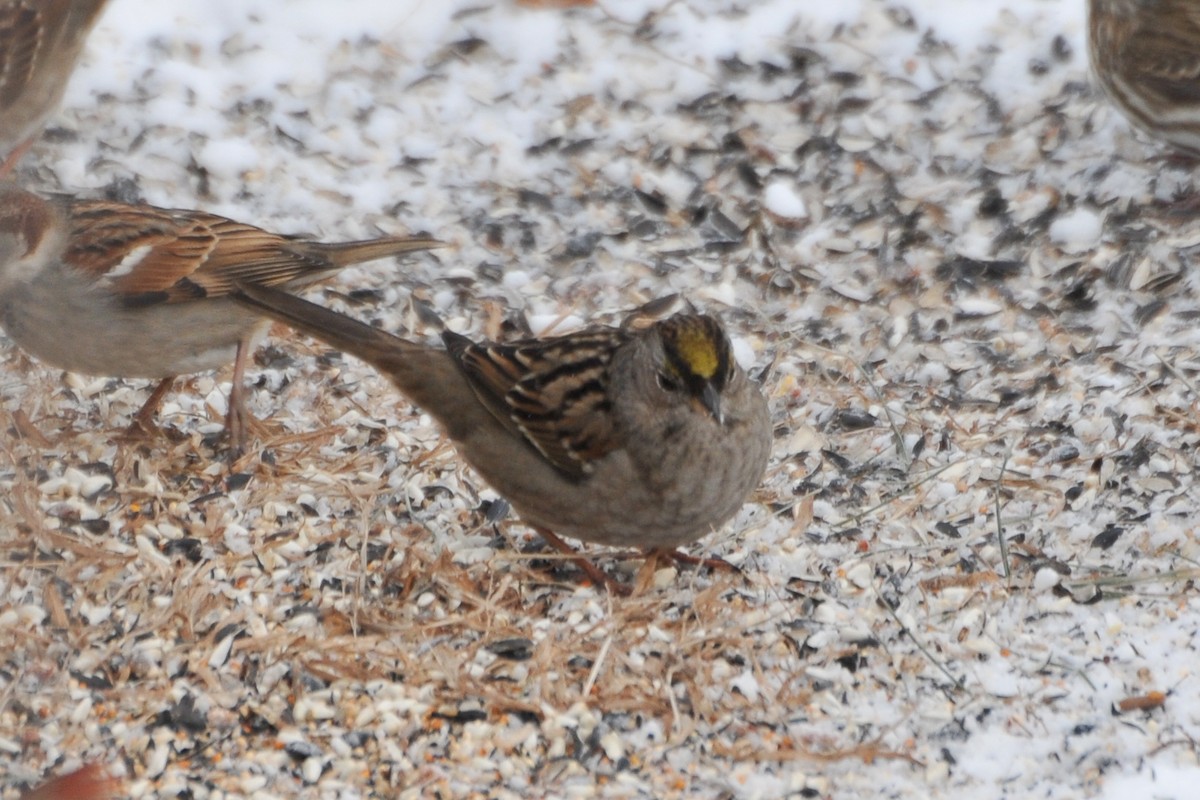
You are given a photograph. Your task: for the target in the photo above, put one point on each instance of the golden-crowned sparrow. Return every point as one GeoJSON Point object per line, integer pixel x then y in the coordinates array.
{"type": "Point", "coordinates": [1146, 55]}
{"type": "Point", "coordinates": [135, 291]}
{"type": "Point", "coordinates": [40, 41]}
{"type": "Point", "coordinates": [647, 435]}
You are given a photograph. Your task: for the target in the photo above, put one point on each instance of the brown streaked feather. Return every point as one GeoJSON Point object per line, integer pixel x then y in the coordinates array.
{"type": "Point", "coordinates": [152, 255]}
{"type": "Point", "coordinates": [22, 34]}
{"type": "Point", "coordinates": [246, 254]}
{"type": "Point", "coordinates": [553, 391]}
{"type": "Point", "coordinates": [33, 35]}
{"type": "Point", "coordinates": [343, 254]}
{"type": "Point", "coordinates": [104, 236]}
{"type": "Point", "coordinates": [1169, 62]}
{"type": "Point", "coordinates": [26, 215]}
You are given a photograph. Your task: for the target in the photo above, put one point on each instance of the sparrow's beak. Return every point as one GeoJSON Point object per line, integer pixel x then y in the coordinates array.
{"type": "Point", "coordinates": [710, 398]}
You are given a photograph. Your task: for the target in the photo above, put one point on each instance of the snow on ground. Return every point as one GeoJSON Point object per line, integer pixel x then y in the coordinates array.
{"type": "Point", "coordinates": [970, 570]}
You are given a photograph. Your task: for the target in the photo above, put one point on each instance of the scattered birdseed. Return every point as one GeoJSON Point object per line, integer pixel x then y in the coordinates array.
{"type": "Point", "coordinates": [970, 287]}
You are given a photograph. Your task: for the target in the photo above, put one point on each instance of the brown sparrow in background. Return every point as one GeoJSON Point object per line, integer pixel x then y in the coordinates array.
{"type": "Point", "coordinates": [1146, 55]}
{"type": "Point", "coordinates": [40, 41]}
{"type": "Point", "coordinates": [135, 291]}
{"type": "Point", "coordinates": [648, 435]}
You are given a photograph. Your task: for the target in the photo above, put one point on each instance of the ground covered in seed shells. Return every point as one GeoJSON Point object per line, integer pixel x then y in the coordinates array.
{"type": "Point", "coordinates": [969, 286]}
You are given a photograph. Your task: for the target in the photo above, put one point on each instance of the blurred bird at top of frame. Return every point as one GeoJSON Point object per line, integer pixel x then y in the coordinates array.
{"type": "Point", "coordinates": [135, 291]}
{"type": "Point", "coordinates": [1146, 56]}
{"type": "Point", "coordinates": [40, 41]}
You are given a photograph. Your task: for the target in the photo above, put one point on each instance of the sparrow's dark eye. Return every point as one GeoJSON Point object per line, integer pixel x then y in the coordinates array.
{"type": "Point", "coordinates": [668, 382]}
